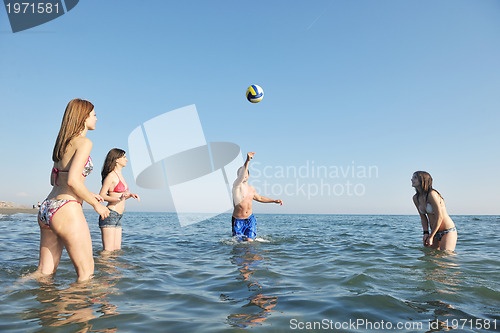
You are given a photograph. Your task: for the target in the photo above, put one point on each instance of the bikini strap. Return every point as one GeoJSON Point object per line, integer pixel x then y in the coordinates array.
{"type": "Point", "coordinates": [56, 172]}
{"type": "Point", "coordinates": [119, 180]}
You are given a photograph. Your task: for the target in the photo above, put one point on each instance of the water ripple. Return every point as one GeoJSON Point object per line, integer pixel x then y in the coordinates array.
{"type": "Point", "coordinates": [303, 267]}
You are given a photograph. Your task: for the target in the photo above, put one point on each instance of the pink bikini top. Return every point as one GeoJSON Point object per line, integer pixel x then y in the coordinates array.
{"type": "Point", "coordinates": [87, 169]}
{"type": "Point", "coordinates": [120, 187]}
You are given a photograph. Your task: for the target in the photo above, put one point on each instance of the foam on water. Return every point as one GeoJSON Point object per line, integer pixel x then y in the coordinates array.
{"type": "Point", "coordinates": [237, 240]}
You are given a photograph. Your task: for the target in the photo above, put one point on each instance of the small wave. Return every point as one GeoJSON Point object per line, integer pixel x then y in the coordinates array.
{"type": "Point", "coordinates": [20, 217]}
{"type": "Point", "coordinates": [237, 240]}
{"type": "Point", "coordinates": [230, 241]}
{"type": "Point", "coordinates": [2, 216]}
{"type": "Point", "coordinates": [263, 239]}
{"type": "Point", "coordinates": [358, 280]}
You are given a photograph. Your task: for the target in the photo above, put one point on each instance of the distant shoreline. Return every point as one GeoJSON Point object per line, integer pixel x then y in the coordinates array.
{"type": "Point", "coordinates": [34, 211]}
{"type": "Point", "coordinates": [14, 210]}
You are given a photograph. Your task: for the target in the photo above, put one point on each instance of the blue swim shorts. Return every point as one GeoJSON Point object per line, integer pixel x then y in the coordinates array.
{"type": "Point", "coordinates": [112, 221]}
{"type": "Point", "coordinates": [245, 227]}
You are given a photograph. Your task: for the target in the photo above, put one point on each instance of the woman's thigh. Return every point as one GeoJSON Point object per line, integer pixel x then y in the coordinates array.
{"type": "Point", "coordinates": [449, 241]}
{"type": "Point", "coordinates": [108, 237]}
{"type": "Point", "coordinates": [70, 225]}
{"type": "Point", "coordinates": [51, 247]}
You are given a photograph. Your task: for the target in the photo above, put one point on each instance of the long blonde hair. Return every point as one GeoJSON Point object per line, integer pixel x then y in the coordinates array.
{"type": "Point", "coordinates": [73, 123]}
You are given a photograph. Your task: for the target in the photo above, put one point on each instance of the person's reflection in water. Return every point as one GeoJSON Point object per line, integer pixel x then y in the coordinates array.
{"type": "Point", "coordinates": [106, 264]}
{"type": "Point", "coordinates": [249, 258]}
{"type": "Point", "coordinates": [62, 307]}
{"type": "Point", "coordinates": [444, 273]}
{"type": "Point", "coordinates": [76, 306]}
{"type": "Point", "coordinates": [443, 269]}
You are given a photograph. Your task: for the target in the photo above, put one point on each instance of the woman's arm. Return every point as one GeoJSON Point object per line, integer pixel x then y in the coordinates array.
{"type": "Point", "coordinates": [423, 217]}
{"type": "Point", "coordinates": [129, 195]}
{"type": "Point", "coordinates": [76, 180]}
{"type": "Point", "coordinates": [436, 208]}
{"type": "Point", "coordinates": [108, 183]}
{"type": "Point", "coordinates": [424, 220]}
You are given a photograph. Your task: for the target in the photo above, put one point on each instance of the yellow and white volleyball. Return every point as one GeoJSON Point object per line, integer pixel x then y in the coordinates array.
{"type": "Point", "coordinates": [255, 94]}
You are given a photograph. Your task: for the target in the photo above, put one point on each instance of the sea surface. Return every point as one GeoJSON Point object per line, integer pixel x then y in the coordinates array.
{"type": "Point", "coordinates": [343, 273]}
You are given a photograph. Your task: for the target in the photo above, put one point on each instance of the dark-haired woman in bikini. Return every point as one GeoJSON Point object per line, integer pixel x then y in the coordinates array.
{"type": "Point", "coordinates": [115, 191]}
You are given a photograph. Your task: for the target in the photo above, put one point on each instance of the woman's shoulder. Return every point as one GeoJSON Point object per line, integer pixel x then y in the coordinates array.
{"type": "Point", "coordinates": [112, 177]}
{"type": "Point", "coordinates": [81, 142]}
{"type": "Point", "coordinates": [435, 195]}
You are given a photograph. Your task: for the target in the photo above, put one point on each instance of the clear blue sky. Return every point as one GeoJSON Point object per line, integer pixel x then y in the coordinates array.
{"type": "Point", "coordinates": [396, 85]}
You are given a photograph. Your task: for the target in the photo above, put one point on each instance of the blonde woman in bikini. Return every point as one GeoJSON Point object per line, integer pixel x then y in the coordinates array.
{"type": "Point", "coordinates": [61, 220]}
{"type": "Point", "coordinates": [115, 191]}
{"type": "Point", "coordinates": [438, 228]}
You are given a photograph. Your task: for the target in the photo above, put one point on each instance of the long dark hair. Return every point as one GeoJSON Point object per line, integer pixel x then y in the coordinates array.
{"type": "Point", "coordinates": [110, 162]}
{"type": "Point", "coordinates": [73, 123]}
{"type": "Point", "coordinates": [425, 187]}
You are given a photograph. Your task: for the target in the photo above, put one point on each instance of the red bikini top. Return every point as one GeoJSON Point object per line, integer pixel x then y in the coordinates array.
{"type": "Point", "coordinates": [120, 187]}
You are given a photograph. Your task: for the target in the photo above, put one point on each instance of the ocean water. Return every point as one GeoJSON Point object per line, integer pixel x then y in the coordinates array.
{"type": "Point", "coordinates": [342, 273]}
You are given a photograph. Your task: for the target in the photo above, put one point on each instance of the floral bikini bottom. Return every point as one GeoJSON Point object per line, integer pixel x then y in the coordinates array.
{"type": "Point", "coordinates": [49, 208]}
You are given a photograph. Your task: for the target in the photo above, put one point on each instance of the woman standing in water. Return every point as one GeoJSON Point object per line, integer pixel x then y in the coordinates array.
{"type": "Point", "coordinates": [439, 230]}
{"type": "Point", "coordinates": [61, 219]}
{"type": "Point", "coordinates": [115, 191]}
